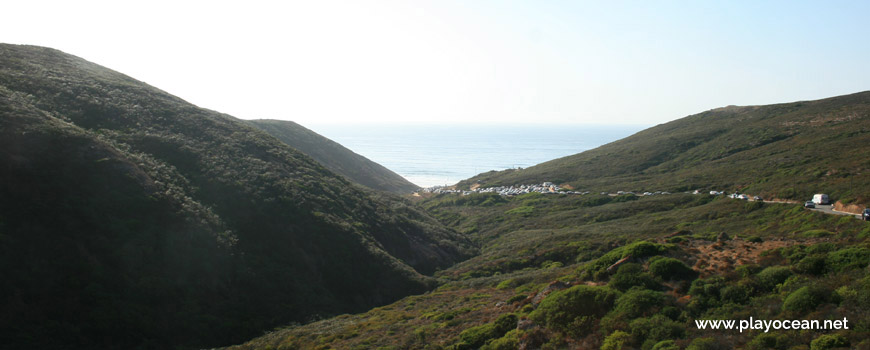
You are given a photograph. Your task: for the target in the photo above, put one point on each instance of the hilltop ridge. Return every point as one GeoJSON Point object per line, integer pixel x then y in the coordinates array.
{"type": "Point", "coordinates": [335, 156]}
{"type": "Point", "coordinates": [786, 150]}
{"type": "Point", "coordinates": [131, 218]}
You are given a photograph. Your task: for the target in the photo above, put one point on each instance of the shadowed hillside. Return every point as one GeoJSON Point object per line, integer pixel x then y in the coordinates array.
{"type": "Point", "coordinates": [130, 218]}
{"type": "Point", "coordinates": [336, 157]}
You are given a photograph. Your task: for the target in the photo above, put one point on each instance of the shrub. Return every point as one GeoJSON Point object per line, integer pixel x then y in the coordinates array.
{"type": "Point", "coordinates": [829, 341]}
{"type": "Point", "coordinates": [638, 302]}
{"type": "Point", "coordinates": [637, 250]}
{"type": "Point", "coordinates": [849, 258]}
{"type": "Point", "coordinates": [813, 265]}
{"type": "Point", "coordinates": [475, 337]}
{"type": "Point", "coordinates": [507, 284]}
{"type": "Point", "coordinates": [671, 312]}
{"type": "Point", "coordinates": [573, 311]}
{"type": "Point", "coordinates": [705, 344]}
{"type": "Point", "coordinates": [616, 341]}
{"type": "Point", "coordinates": [804, 299]}
{"type": "Point", "coordinates": [644, 249]}
{"type": "Point", "coordinates": [754, 239]}
{"type": "Point", "coordinates": [770, 277]}
{"type": "Point", "coordinates": [666, 345]}
{"type": "Point", "coordinates": [655, 328]}
{"type": "Point", "coordinates": [670, 269]}
{"type": "Point", "coordinates": [516, 298]}
{"type": "Point", "coordinates": [737, 294]}
{"type": "Point", "coordinates": [770, 341]}
{"type": "Point", "coordinates": [821, 248]}
{"type": "Point", "coordinates": [632, 275]}
{"type": "Point", "coordinates": [748, 270]}
{"type": "Point", "coordinates": [677, 239]}
{"type": "Point", "coordinates": [510, 341]}
{"type": "Point", "coordinates": [705, 294]}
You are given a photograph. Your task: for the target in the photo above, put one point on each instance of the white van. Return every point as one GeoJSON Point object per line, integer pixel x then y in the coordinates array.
{"type": "Point", "coordinates": [820, 198]}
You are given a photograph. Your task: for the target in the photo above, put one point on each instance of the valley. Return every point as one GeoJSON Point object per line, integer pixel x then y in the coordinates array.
{"type": "Point", "coordinates": [130, 218]}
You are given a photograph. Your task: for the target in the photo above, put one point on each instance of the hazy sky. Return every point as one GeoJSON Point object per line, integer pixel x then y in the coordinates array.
{"type": "Point", "coordinates": [638, 62]}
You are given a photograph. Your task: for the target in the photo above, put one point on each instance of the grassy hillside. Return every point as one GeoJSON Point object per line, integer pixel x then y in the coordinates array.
{"type": "Point", "coordinates": [789, 150]}
{"type": "Point", "coordinates": [560, 271]}
{"type": "Point", "coordinates": [542, 279]}
{"type": "Point", "coordinates": [132, 219]}
{"type": "Point", "coordinates": [336, 157]}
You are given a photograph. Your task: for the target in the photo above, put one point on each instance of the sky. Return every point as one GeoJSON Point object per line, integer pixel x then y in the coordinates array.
{"type": "Point", "coordinates": [483, 62]}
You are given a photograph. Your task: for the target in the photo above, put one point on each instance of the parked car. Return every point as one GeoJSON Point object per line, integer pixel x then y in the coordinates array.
{"type": "Point", "coordinates": [757, 199]}
{"type": "Point", "coordinates": [809, 204]}
{"type": "Point", "coordinates": [866, 214]}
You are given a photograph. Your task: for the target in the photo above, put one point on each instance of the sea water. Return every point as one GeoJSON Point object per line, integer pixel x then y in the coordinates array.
{"type": "Point", "coordinates": [430, 155]}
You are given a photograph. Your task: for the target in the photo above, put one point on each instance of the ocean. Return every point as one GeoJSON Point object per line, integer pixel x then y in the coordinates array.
{"type": "Point", "coordinates": [430, 155]}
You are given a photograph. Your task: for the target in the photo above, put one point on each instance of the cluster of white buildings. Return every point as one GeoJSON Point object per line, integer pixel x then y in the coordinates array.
{"type": "Point", "coordinates": [546, 188]}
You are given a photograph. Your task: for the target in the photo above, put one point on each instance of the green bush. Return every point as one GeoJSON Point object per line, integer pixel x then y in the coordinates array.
{"type": "Point", "coordinates": [573, 311]}
{"type": "Point", "coordinates": [632, 275]}
{"type": "Point", "coordinates": [804, 299]}
{"type": "Point", "coordinates": [510, 341]}
{"type": "Point", "coordinates": [477, 336]}
{"type": "Point", "coordinates": [770, 341]}
{"type": "Point", "coordinates": [637, 250]}
{"type": "Point", "coordinates": [654, 329]}
{"type": "Point", "coordinates": [618, 340]}
{"type": "Point", "coordinates": [754, 239]}
{"type": "Point", "coordinates": [516, 298]}
{"type": "Point", "coordinates": [638, 302]}
{"type": "Point", "coordinates": [821, 248]}
{"type": "Point", "coordinates": [671, 269]}
{"type": "Point", "coordinates": [829, 341]}
{"type": "Point", "coordinates": [666, 345]}
{"type": "Point", "coordinates": [849, 258]}
{"type": "Point", "coordinates": [813, 265]}
{"type": "Point", "coordinates": [705, 294]}
{"type": "Point", "coordinates": [644, 249]}
{"type": "Point", "coordinates": [507, 284]}
{"type": "Point", "coordinates": [706, 344]}
{"type": "Point", "coordinates": [748, 270]}
{"type": "Point", "coordinates": [738, 294]}
{"type": "Point", "coordinates": [677, 239]}
{"type": "Point", "coordinates": [770, 277]}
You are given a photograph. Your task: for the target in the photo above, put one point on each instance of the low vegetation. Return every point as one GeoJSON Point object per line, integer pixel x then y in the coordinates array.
{"type": "Point", "coordinates": [622, 284]}
{"type": "Point", "coordinates": [786, 151]}
{"type": "Point", "coordinates": [335, 157]}
{"type": "Point", "coordinates": [132, 219]}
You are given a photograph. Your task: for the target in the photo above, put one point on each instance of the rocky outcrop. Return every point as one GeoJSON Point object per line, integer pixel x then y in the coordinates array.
{"type": "Point", "coordinates": [848, 208]}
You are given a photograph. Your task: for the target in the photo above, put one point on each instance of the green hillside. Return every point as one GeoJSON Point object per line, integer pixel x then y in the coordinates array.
{"type": "Point", "coordinates": [542, 279]}
{"type": "Point", "coordinates": [789, 151]}
{"type": "Point", "coordinates": [336, 157]}
{"type": "Point", "coordinates": [600, 271]}
{"type": "Point", "coordinates": [130, 218]}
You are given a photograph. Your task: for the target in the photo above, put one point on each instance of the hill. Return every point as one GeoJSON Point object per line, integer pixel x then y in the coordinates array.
{"type": "Point", "coordinates": [788, 150]}
{"type": "Point", "coordinates": [608, 271]}
{"type": "Point", "coordinates": [130, 218]}
{"type": "Point", "coordinates": [336, 157]}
